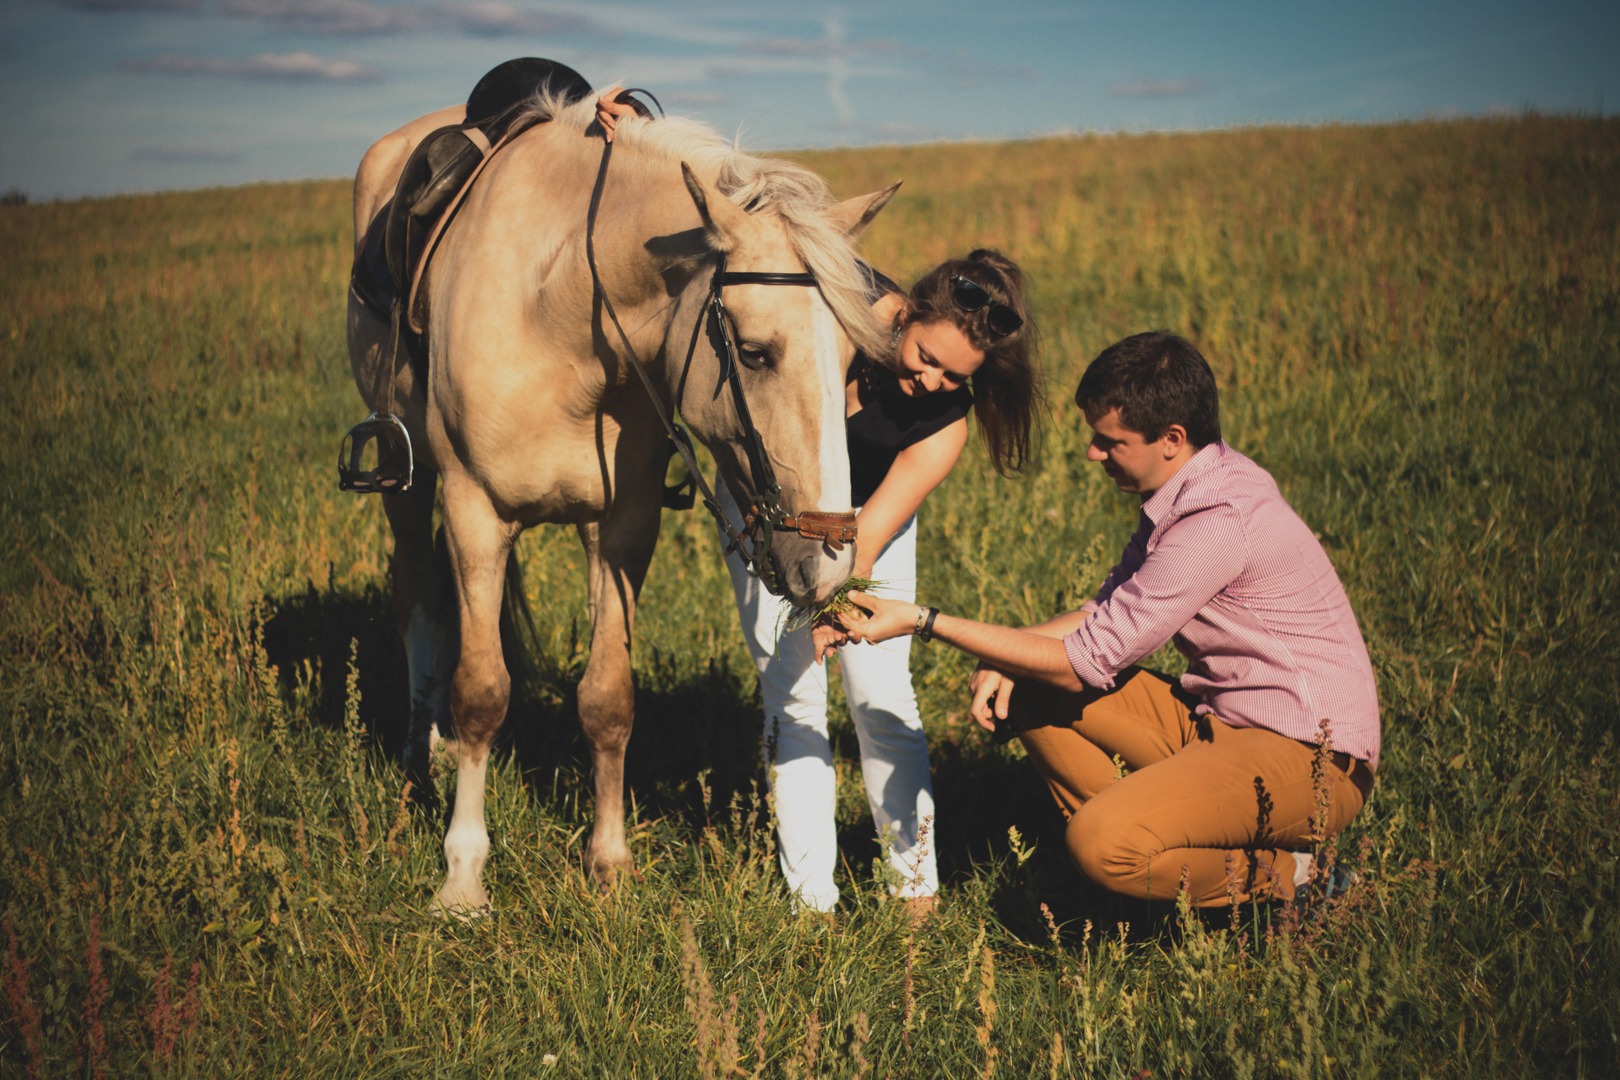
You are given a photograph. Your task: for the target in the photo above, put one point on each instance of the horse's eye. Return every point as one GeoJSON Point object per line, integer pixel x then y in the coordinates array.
{"type": "Point", "coordinates": [755, 357]}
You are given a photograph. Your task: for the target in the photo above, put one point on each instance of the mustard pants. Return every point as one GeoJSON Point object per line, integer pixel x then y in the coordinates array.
{"type": "Point", "coordinates": [1223, 808]}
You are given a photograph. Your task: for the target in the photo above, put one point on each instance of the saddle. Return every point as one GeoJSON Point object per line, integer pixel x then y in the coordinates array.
{"type": "Point", "coordinates": [436, 178]}
{"type": "Point", "coordinates": [399, 244]}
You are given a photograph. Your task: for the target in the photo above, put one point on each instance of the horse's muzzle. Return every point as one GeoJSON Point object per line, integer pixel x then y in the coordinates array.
{"type": "Point", "coordinates": [806, 571]}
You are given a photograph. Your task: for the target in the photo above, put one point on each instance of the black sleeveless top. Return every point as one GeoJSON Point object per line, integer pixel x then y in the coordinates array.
{"type": "Point", "coordinates": [889, 420]}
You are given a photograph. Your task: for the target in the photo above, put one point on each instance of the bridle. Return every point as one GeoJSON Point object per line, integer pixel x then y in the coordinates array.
{"type": "Point", "coordinates": [764, 515]}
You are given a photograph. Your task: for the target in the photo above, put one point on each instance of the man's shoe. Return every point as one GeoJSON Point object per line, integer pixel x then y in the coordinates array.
{"type": "Point", "coordinates": [1325, 885]}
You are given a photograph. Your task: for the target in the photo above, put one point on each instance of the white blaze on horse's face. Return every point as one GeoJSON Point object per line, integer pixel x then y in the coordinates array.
{"type": "Point", "coordinates": [830, 345]}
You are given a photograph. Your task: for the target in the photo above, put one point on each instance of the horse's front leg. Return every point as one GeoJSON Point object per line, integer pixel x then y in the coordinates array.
{"type": "Point", "coordinates": [617, 553]}
{"type": "Point", "coordinates": [478, 543]}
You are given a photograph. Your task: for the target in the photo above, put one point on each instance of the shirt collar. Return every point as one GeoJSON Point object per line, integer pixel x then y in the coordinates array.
{"type": "Point", "coordinates": [1155, 506]}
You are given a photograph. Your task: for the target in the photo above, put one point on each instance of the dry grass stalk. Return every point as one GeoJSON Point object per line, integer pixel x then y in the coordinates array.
{"type": "Point", "coordinates": [95, 999]}
{"type": "Point", "coordinates": [805, 1064]}
{"type": "Point", "coordinates": [1052, 934]}
{"type": "Point", "coordinates": [238, 839]}
{"type": "Point", "coordinates": [857, 1046]}
{"type": "Point", "coordinates": [987, 1009]}
{"type": "Point", "coordinates": [717, 1046]}
{"type": "Point", "coordinates": [837, 604]}
{"type": "Point", "coordinates": [24, 1011]}
{"type": "Point", "coordinates": [402, 818]}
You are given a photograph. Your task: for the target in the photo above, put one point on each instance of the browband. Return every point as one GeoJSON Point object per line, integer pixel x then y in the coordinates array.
{"type": "Point", "coordinates": [745, 277]}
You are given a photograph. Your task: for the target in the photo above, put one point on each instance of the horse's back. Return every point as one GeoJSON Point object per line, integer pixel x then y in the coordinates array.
{"type": "Point", "coordinates": [384, 160]}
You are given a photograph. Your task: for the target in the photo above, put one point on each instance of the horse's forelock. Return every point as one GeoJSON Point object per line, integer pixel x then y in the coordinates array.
{"type": "Point", "coordinates": [798, 196]}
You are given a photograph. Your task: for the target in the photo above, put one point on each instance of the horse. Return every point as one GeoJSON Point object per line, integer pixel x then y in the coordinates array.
{"type": "Point", "coordinates": [526, 412]}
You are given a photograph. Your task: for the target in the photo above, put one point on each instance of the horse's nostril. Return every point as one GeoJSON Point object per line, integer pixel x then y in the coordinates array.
{"type": "Point", "coordinates": [819, 574]}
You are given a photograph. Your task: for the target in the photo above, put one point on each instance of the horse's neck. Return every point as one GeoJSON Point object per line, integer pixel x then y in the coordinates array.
{"type": "Point", "coordinates": [650, 254]}
{"type": "Point", "coordinates": [533, 224]}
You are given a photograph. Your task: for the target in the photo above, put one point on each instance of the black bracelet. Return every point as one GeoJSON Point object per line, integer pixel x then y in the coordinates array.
{"type": "Point", "coordinates": [925, 633]}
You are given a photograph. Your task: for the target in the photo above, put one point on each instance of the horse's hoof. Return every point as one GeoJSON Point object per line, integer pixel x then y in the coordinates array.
{"type": "Point", "coordinates": [606, 876]}
{"type": "Point", "coordinates": [607, 871]}
{"type": "Point", "coordinates": [462, 905]}
{"type": "Point", "coordinates": [461, 913]}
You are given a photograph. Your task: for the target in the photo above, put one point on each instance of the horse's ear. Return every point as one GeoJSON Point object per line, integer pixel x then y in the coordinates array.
{"type": "Point", "coordinates": [854, 215]}
{"type": "Point", "coordinates": [723, 219]}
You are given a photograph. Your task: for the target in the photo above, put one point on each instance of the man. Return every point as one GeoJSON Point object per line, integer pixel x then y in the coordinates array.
{"type": "Point", "coordinates": [1267, 744]}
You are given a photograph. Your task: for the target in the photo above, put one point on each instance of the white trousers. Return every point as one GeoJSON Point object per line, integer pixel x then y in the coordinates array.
{"type": "Point", "coordinates": [894, 750]}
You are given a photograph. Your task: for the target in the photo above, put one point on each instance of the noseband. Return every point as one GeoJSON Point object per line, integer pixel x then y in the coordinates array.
{"type": "Point", "coordinates": [764, 515]}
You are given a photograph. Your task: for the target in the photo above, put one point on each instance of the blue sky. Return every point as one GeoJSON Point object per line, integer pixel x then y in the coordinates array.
{"type": "Point", "coordinates": [105, 96]}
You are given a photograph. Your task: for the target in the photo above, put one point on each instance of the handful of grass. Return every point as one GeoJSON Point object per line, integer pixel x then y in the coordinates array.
{"type": "Point", "coordinates": [836, 604]}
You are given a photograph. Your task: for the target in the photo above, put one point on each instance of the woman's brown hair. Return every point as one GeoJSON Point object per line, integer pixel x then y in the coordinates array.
{"type": "Point", "coordinates": [1006, 388]}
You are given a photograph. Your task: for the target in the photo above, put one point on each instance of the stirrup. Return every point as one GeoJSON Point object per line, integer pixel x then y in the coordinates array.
{"type": "Point", "coordinates": [395, 460]}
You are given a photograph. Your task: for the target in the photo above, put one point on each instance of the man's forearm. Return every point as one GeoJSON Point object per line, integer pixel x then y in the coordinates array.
{"type": "Point", "coordinates": [1060, 626]}
{"type": "Point", "coordinates": [1023, 654]}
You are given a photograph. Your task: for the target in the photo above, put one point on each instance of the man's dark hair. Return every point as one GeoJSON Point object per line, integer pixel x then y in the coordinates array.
{"type": "Point", "coordinates": [1154, 380]}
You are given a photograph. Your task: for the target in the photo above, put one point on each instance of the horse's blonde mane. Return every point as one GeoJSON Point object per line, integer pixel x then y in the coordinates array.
{"type": "Point", "coordinates": [795, 194]}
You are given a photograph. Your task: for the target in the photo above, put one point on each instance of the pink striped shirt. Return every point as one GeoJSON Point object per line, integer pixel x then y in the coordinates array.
{"type": "Point", "coordinates": [1221, 565]}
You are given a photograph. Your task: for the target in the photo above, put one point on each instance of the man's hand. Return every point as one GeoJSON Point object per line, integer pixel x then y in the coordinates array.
{"type": "Point", "coordinates": [609, 112]}
{"type": "Point", "coordinates": [875, 619]}
{"type": "Point", "coordinates": [827, 638]}
{"type": "Point", "coordinates": [992, 692]}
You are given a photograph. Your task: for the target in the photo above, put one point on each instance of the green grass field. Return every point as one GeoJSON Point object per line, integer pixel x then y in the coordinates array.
{"type": "Point", "coordinates": [210, 868]}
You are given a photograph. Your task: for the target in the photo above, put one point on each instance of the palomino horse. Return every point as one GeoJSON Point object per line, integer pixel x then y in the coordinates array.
{"type": "Point", "coordinates": [528, 412]}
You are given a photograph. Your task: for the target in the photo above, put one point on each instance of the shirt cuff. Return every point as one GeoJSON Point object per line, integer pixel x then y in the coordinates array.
{"type": "Point", "coordinates": [1084, 667]}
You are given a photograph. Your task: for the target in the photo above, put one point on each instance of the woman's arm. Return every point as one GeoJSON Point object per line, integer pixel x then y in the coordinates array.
{"type": "Point", "coordinates": [917, 470]}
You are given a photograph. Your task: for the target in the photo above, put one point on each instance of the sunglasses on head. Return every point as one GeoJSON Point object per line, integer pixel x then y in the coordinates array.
{"type": "Point", "coordinates": [970, 296]}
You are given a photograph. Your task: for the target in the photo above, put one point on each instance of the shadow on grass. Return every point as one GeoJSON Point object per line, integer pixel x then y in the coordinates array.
{"type": "Point", "coordinates": [702, 723]}
{"type": "Point", "coordinates": [687, 722]}
{"type": "Point", "coordinates": [308, 637]}
{"type": "Point", "coordinates": [984, 792]}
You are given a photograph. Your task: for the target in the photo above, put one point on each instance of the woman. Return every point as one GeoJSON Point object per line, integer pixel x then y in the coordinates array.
{"type": "Point", "coordinates": [961, 343]}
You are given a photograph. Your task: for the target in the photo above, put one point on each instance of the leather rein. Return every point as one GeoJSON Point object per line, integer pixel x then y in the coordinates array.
{"type": "Point", "coordinates": [764, 515]}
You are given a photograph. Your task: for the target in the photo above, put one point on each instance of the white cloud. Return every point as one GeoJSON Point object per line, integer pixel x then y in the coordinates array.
{"type": "Point", "coordinates": [829, 46]}
{"type": "Point", "coordinates": [492, 18]}
{"type": "Point", "coordinates": [1158, 88]}
{"type": "Point", "coordinates": [694, 98]}
{"type": "Point", "coordinates": [345, 17]}
{"type": "Point", "coordinates": [186, 155]}
{"type": "Point", "coordinates": [272, 67]}
{"type": "Point", "coordinates": [103, 6]}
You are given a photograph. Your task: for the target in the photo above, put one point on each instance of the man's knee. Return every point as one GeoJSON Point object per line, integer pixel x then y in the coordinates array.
{"type": "Point", "coordinates": [1111, 851]}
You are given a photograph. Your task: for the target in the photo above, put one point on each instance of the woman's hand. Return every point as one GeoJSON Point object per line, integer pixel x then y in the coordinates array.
{"type": "Point", "coordinates": [826, 638]}
{"type": "Point", "coordinates": [875, 619]}
{"type": "Point", "coordinates": [609, 111]}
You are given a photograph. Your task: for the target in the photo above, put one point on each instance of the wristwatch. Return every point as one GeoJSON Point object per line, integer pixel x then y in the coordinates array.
{"type": "Point", "coordinates": [925, 624]}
